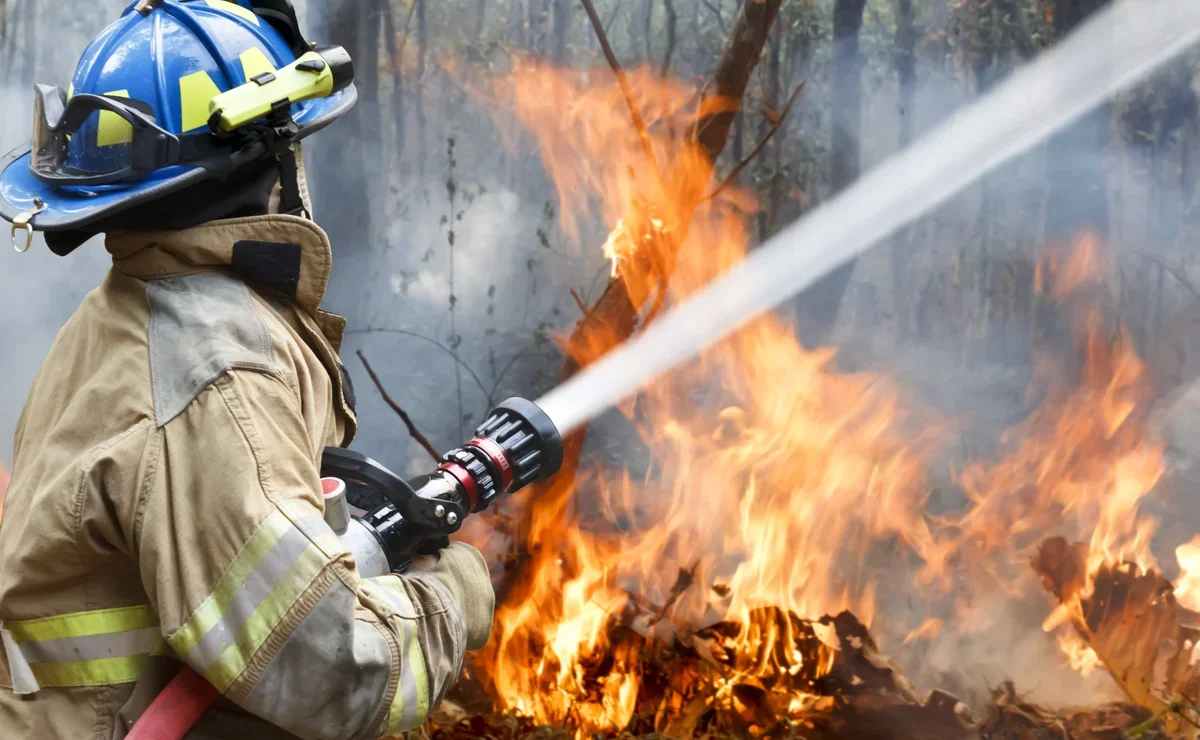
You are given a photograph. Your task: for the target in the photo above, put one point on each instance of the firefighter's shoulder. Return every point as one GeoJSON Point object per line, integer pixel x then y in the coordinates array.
{"type": "Point", "coordinates": [201, 326]}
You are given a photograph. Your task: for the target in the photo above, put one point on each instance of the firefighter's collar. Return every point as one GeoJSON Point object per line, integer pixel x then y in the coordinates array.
{"type": "Point", "coordinates": [287, 253]}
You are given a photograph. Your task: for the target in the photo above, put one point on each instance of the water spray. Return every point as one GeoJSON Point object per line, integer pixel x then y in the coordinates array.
{"type": "Point", "coordinates": [1116, 48]}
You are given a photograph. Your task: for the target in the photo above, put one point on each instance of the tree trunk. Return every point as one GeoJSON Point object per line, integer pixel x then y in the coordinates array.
{"type": "Point", "coordinates": [564, 13]}
{"type": "Point", "coordinates": [1078, 182]}
{"type": "Point", "coordinates": [817, 308]}
{"type": "Point", "coordinates": [766, 214]}
{"type": "Point", "coordinates": [906, 76]}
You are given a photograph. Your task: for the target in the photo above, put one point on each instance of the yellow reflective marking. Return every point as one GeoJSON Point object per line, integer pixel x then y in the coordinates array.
{"type": "Point", "coordinates": [82, 624]}
{"type": "Point", "coordinates": [413, 662]}
{"type": "Point", "coordinates": [297, 509]}
{"type": "Point", "coordinates": [254, 62]}
{"type": "Point", "coordinates": [265, 618]}
{"type": "Point", "coordinates": [416, 664]}
{"type": "Point", "coordinates": [243, 564]}
{"type": "Point", "coordinates": [112, 129]}
{"type": "Point", "coordinates": [195, 91]}
{"type": "Point", "coordinates": [234, 8]}
{"type": "Point", "coordinates": [99, 672]}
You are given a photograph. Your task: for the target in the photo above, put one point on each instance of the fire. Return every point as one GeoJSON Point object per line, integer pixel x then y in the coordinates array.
{"type": "Point", "coordinates": [771, 471]}
{"type": "Point", "coordinates": [774, 482]}
{"type": "Point", "coordinates": [1080, 656]}
{"type": "Point", "coordinates": [928, 629]}
{"type": "Point", "coordinates": [1187, 585]}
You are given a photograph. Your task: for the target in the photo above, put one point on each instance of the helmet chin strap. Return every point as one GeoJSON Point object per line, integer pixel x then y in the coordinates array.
{"type": "Point", "coordinates": [293, 187]}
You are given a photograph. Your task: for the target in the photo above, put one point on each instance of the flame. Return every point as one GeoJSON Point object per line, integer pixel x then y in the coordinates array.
{"type": "Point", "coordinates": [1187, 585]}
{"type": "Point", "coordinates": [1080, 656]}
{"type": "Point", "coordinates": [928, 629]}
{"type": "Point", "coordinates": [773, 480]}
{"type": "Point", "coordinates": [771, 470]}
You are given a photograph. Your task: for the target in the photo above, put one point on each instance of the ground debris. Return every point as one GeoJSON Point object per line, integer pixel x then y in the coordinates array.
{"type": "Point", "coordinates": [790, 678]}
{"type": "Point", "coordinates": [1010, 717]}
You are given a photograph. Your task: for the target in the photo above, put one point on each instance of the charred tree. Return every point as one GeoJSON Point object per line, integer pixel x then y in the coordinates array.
{"type": "Point", "coordinates": [1077, 179]}
{"type": "Point", "coordinates": [817, 308]}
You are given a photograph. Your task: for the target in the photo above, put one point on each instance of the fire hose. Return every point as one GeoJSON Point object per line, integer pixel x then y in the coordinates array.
{"type": "Point", "coordinates": [516, 445]}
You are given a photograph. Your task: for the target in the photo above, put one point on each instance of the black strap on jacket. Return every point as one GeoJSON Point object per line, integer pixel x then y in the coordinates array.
{"type": "Point", "coordinates": [290, 200]}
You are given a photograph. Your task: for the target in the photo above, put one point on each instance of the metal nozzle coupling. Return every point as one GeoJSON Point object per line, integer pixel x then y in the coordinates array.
{"type": "Point", "coordinates": [516, 445]}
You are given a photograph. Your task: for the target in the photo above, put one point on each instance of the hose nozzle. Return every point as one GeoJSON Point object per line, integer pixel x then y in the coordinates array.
{"type": "Point", "coordinates": [516, 445]}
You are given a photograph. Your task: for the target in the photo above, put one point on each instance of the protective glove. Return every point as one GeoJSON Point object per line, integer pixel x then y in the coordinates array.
{"type": "Point", "coordinates": [462, 569]}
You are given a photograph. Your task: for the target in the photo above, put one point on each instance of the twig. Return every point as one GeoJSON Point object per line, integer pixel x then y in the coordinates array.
{"type": "Point", "coordinates": [758, 149]}
{"type": "Point", "coordinates": [717, 12]}
{"type": "Point", "coordinates": [638, 122]}
{"type": "Point", "coordinates": [454, 355]}
{"type": "Point", "coordinates": [507, 366]}
{"type": "Point", "coordinates": [579, 302]}
{"type": "Point", "coordinates": [408, 422]}
{"type": "Point", "coordinates": [612, 16]}
{"type": "Point", "coordinates": [1175, 273]}
{"type": "Point", "coordinates": [682, 583]}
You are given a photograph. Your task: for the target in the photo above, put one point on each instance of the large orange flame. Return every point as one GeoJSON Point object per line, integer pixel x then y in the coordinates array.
{"type": "Point", "coordinates": [772, 479]}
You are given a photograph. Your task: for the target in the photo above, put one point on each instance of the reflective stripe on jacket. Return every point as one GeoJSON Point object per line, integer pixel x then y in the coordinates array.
{"type": "Point", "coordinates": [165, 506]}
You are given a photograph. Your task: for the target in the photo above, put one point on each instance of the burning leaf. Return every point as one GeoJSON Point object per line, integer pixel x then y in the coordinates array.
{"type": "Point", "coordinates": [1129, 616]}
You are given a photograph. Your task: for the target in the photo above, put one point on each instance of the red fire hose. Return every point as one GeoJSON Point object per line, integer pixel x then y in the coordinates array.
{"type": "Point", "coordinates": [176, 709]}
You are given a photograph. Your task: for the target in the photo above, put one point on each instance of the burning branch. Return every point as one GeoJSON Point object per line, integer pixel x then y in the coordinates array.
{"type": "Point", "coordinates": [408, 422]}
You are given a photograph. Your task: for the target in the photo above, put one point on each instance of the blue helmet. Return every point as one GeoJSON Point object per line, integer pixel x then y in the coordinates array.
{"type": "Point", "coordinates": [173, 93]}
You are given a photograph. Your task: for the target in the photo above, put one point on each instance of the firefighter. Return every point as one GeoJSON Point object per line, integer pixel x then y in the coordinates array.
{"type": "Point", "coordinates": [166, 505]}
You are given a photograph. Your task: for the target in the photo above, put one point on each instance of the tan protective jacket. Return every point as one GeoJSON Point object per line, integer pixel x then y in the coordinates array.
{"type": "Point", "coordinates": [165, 505]}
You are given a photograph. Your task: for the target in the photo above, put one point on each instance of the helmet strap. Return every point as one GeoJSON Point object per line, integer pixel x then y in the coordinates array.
{"type": "Point", "coordinates": [291, 195]}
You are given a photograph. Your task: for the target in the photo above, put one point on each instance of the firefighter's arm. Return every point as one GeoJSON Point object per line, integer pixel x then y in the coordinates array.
{"type": "Point", "coordinates": [255, 592]}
